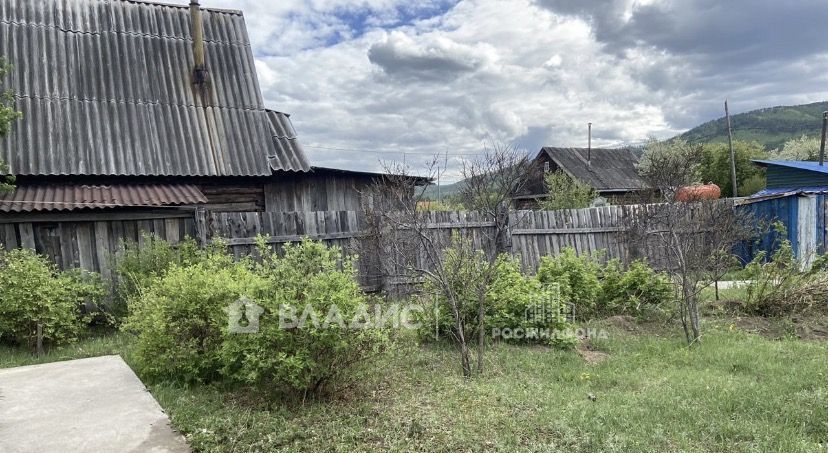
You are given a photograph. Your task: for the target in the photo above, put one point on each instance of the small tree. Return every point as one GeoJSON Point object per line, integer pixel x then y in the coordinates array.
{"type": "Point", "coordinates": [8, 115]}
{"type": "Point", "coordinates": [694, 240]}
{"type": "Point", "coordinates": [715, 167]}
{"type": "Point", "coordinates": [407, 244]}
{"type": "Point", "coordinates": [566, 192]}
{"type": "Point", "coordinates": [491, 182]}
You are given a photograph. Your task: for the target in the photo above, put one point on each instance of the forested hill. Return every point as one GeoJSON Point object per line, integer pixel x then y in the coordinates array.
{"type": "Point", "coordinates": [771, 127]}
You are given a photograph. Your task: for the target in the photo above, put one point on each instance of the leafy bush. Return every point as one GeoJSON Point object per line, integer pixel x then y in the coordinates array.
{"type": "Point", "coordinates": [566, 192]}
{"type": "Point", "coordinates": [778, 286]}
{"type": "Point", "coordinates": [310, 281]}
{"type": "Point", "coordinates": [185, 331]}
{"type": "Point", "coordinates": [599, 290]}
{"type": "Point", "coordinates": [180, 317]}
{"type": "Point", "coordinates": [577, 277]}
{"type": "Point", "coordinates": [141, 262]}
{"type": "Point", "coordinates": [630, 292]}
{"type": "Point", "coordinates": [512, 300]}
{"type": "Point", "coordinates": [34, 292]}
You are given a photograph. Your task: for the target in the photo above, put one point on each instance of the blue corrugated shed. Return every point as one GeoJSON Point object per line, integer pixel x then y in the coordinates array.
{"type": "Point", "coordinates": [792, 174]}
{"type": "Point", "coordinates": [784, 205]}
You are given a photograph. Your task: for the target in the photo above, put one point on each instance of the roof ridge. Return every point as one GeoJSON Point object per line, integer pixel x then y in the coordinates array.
{"type": "Point", "coordinates": [117, 32]}
{"type": "Point", "coordinates": [174, 5]}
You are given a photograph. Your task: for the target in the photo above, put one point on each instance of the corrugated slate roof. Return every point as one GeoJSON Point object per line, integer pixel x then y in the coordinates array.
{"type": "Point", "coordinates": [797, 164]}
{"type": "Point", "coordinates": [106, 89]}
{"type": "Point", "coordinates": [287, 153]}
{"type": "Point", "coordinates": [71, 197]}
{"type": "Point", "coordinates": [608, 169]}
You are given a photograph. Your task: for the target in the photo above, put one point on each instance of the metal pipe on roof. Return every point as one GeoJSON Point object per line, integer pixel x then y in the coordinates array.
{"type": "Point", "coordinates": [822, 143]}
{"type": "Point", "coordinates": [199, 69]}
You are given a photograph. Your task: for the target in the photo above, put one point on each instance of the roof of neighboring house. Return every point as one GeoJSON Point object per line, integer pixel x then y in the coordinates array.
{"type": "Point", "coordinates": [72, 197]}
{"type": "Point", "coordinates": [608, 169]}
{"type": "Point", "coordinates": [796, 164]}
{"type": "Point", "coordinates": [106, 88]}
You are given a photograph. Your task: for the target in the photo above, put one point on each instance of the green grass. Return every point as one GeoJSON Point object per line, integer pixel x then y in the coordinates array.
{"type": "Point", "coordinates": [733, 392]}
{"type": "Point", "coordinates": [110, 344]}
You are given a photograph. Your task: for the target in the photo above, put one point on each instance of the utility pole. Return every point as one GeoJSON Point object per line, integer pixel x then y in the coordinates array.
{"type": "Point", "coordinates": [439, 197]}
{"type": "Point", "coordinates": [732, 155]}
{"type": "Point", "coordinates": [822, 144]}
{"type": "Point", "coordinates": [589, 144]}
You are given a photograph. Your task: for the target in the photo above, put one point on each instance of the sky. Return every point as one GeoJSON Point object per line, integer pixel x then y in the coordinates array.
{"type": "Point", "coordinates": [372, 81]}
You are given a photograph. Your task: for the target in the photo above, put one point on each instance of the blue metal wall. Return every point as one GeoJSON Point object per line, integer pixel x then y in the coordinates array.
{"type": "Point", "coordinates": [784, 177]}
{"type": "Point", "coordinates": [785, 210]}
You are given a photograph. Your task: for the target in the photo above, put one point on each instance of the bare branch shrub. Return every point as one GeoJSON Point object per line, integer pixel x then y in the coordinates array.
{"type": "Point", "coordinates": [414, 247]}
{"type": "Point", "coordinates": [693, 240]}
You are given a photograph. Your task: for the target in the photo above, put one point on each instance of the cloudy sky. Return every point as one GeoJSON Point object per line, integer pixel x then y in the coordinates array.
{"type": "Point", "coordinates": [371, 80]}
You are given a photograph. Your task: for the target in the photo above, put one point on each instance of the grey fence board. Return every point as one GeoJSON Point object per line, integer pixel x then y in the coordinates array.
{"type": "Point", "coordinates": [92, 244]}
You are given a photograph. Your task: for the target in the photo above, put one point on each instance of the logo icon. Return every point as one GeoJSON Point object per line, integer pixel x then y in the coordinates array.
{"type": "Point", "coordinates": [243, 316]}
{"type": "Point", "coordinates": [550, 309]}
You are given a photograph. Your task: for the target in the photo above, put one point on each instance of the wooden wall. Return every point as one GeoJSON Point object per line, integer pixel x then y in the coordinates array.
{"type": "Point", "coordinates": [315, 192]}
{"type": "Point", "coordinates": [89, 241]}
{"type": "Point", "coordinates": [234, 197]}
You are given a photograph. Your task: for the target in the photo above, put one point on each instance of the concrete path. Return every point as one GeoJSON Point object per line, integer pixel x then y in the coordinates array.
{"type": "Point", "coordinates": [728, 284]}
{"type": "Point", "coordinates": [89, 405]}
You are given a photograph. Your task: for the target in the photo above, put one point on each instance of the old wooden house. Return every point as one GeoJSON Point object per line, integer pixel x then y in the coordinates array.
{"type": "Point", "coordinates": [138, 116]}
{"type": "Point", "coordinates": [612, 172]}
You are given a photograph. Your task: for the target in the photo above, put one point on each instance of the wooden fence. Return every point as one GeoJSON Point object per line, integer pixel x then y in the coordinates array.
{"type": "Point", "coordinates": [531, 234]}
{"type": "Point", "coordinates": [535, 234]}
{"type": "Point", "coordinates": [91, 241]}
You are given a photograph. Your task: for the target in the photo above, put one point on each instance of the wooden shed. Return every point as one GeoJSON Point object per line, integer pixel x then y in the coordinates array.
{"type": "Point", "coordinates": [138, 116]}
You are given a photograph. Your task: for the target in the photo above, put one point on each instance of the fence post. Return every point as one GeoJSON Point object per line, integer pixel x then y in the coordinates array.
{"type": "Point", "coordinates": [201, 225]}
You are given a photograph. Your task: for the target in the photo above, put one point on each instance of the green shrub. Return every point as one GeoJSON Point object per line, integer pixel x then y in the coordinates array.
{"type": "Point", "coordinates": [633, 291]}
{"type": "Point", "coordinates": [180, 318]}
{"type": "Point", "coordinates": [185, 331]}
{"type": "Point", "coordinates": [141, 262]}
{"type": "Point", "coordinates": [599, 290]}
{"type": "Point", "coordinates": [34, 292]}
{"type": "Point", "coordinates": [778, 287]}
{"type": "Point", "coordinates": [576, 276]}
{"type": "Point", "coordinates": [516, 300]}
{"type": "Point", "coordinates": [309, 281]}
{"type": "Point", "coordinates": [91, 293]}
{"type": "Point", "coordinates": [464, 270]}
{"type": "Point", "coordinates": [512, 300]}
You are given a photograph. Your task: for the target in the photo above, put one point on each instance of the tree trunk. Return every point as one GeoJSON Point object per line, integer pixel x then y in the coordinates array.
{"type": "Point", "coordinates": [465, 360]}
{"type": "Point", "coordinates": [690, 311]}
{"type": "Point", "coordinates": [693, 308]}
{"type": "Point", "coordinates": [481, 330]}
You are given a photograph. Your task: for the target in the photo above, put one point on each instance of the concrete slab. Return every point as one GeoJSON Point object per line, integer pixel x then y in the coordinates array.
{"type": "Point", "coordinates": [88, 405]}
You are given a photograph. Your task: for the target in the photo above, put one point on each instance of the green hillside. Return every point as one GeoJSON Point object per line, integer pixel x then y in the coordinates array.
{"type": "Point", "coordinates": [446, 190]}
{"type": "Point", "coordinates": [771, 127]}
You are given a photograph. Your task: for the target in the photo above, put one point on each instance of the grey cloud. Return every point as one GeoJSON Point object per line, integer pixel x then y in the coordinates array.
{"type": "Point", "coordinates": [732, 32]}
{"type": "Point", "coordinates": [432, 63]}
{"type": "Point", "coordinates": [698, 52]}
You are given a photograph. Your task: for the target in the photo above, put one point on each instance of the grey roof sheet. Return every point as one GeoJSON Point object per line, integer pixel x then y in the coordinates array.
{"type": "Point", "coordinates": [287, 153]}
{"type": "Point", "coordinates": [105, 87]}
{"type": "Point", "coordinates": [609, 169]}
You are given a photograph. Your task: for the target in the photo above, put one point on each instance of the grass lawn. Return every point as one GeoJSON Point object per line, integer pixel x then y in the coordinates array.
{"type": "Point", "coordinates": [733, 392]}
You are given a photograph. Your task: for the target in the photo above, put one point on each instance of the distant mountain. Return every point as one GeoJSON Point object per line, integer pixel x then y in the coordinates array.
{"type": "Point", "coordinates": [446, 190]}
{"type": "Point", "coordinates": [771, 127]}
